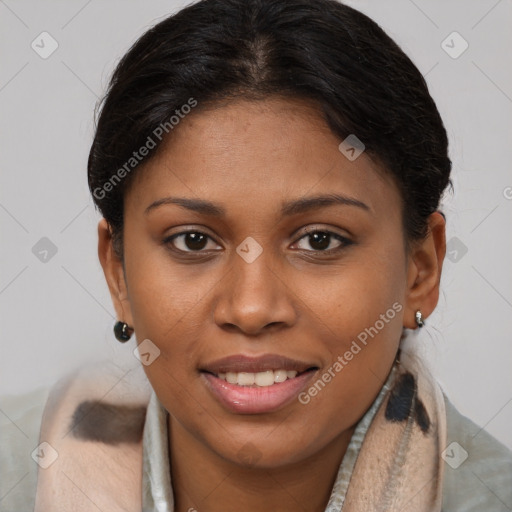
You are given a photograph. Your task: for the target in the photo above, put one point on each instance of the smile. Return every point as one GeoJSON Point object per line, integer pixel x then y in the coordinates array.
{"type": "Point", "coordinates": [256, 385]}
{"type": "Point", "coordinates": [261, 379]}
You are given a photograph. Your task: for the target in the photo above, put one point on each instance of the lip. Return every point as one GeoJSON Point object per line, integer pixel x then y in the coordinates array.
{"type": "Point", "coordinates": [241, 363]}
{"type": "Point", "coordinates": [256, 400]}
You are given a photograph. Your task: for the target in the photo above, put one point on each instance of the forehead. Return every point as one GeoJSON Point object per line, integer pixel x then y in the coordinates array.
{"type": "Point", "coordinates": [247, 153]}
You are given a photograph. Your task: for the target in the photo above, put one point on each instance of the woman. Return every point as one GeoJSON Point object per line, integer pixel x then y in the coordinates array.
{"type": "Point", "coordinates": [269, 174]}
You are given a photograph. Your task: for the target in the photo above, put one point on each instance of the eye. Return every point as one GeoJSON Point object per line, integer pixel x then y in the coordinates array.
{"type": "Point", "coordinates": [321, 240]}
{"type": "Point", "coordinates": [197, 242]}
{"type": "Point", "coordinates": [190, 241]}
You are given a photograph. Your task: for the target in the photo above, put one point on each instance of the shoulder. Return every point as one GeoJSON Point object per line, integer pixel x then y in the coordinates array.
{"type": "Point", "coordinates": [101, 404]}
{"type": "Point", "coordinates": [94, 420]}
{"type": "Point", "coordinates": [20, 421]}
{"type": "Point", "coordinates": [478, 468]}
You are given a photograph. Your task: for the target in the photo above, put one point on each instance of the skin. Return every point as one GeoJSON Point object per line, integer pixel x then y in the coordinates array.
{"type": "Point", "coordinates": [293, 300]}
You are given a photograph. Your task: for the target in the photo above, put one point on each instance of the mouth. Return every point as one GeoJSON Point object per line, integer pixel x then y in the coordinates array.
{"type": "Point", "coordinates": [249, 385]}
{"type": "Point", "coordinates": [260, 379]}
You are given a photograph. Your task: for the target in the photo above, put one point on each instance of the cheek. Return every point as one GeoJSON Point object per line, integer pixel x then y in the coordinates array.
{"type": "Point", "coordinates": [168, 309]}
{"type": "Point", "coordinates": [358, 314]}
{"type": "Point", "coordinates": [163, 295]}
{"type": "Point", "coordinates": [167, 303]}
{"type": "Point", "coordinates": [352, 297]}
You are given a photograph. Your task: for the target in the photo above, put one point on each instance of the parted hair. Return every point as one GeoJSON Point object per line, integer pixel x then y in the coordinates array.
{"type": "Point", "coordinates": [320, 50]}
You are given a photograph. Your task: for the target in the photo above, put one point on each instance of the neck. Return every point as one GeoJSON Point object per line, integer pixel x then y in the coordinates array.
{"type": "Point", "coordinates": [202, 480]}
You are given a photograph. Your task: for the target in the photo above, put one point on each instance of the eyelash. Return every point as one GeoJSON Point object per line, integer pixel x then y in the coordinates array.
{"type": "Point", "coordinates": [345, 242]}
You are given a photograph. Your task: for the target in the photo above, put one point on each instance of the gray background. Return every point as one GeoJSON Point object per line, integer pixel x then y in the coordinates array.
{"type": "Point", "coordinates": [55, 309]}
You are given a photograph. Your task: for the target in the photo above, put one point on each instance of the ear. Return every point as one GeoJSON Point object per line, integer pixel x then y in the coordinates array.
{"type": "Point", "coordinates": [425, 264]}
{"type": "Point", "coordinates": [114, 273]}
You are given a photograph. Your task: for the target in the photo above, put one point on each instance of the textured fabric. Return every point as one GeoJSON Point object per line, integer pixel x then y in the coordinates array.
{"type": "Point", "coordinates": [156, 479]}
{"type": "Point", "coordinates": [478, 470]}
{"type": "Point", "coordinates": [399, 465]}
{"type": "Point", "coordinates": [481, 482]}
{"type": "Point", "coordinates": [20, 420]}
{"type": "Point", "coordinates": [103, 467]}
{"type": "Point", "coordinates": [157, 484]}
{"type": "Point", "coordinates": [344, 475]}
{"type": "Point", "coordinates": [99, 464]}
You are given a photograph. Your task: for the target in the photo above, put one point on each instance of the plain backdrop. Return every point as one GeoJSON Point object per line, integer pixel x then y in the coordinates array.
{"type": "Point", "coordinates": [55, 308]}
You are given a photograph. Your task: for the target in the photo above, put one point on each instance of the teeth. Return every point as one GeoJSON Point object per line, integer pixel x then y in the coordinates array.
{"type": "Point", "coordinates": [232, 377]}
{"type": "Point", "coordinates": [246, 379]}
{"type": "Point", "coordinates": [262, 379]}
{"type": "Point", "coordinates": [280, 375]}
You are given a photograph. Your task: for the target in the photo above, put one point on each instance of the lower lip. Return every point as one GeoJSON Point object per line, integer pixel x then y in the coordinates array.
{"type": "Point", "coordinates": [255, 400]}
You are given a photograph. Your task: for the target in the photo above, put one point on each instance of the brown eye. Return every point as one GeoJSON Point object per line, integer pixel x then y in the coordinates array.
{"type": "Point", "coordinates": [321, 241]}
{"type": "Point", "coordinates": [190, 241]}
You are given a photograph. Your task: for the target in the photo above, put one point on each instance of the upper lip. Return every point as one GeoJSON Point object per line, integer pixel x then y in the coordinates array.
{"type": "Point", "coordinates": [241, 363]}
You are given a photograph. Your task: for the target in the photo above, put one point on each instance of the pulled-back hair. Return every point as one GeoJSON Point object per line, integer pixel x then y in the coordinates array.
{"type": "Point", "coordinates": [321, 50]}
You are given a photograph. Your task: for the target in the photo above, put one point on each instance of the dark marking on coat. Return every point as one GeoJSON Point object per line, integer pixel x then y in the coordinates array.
{"type": "Point", "coordinates": [401, 399]}
{"type": "Point", "coordinates": [422, 418]}
{"type": "Point", "coordinates": [102, 422]}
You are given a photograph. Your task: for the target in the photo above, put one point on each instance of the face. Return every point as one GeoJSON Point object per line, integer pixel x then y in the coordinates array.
{"type": "Point", "coordinates": [255, 250]}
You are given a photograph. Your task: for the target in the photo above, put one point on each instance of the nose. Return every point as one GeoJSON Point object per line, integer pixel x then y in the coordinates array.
{"type": "Point", "coordinates": [254, 297]}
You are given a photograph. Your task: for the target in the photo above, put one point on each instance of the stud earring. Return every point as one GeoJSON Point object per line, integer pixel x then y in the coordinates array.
{"type": "Point", "coordinates": [122, 331]}
{"type": "Point", "coordinates": [419, 319]}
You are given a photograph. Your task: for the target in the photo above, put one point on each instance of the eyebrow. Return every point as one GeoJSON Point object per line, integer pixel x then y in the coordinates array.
{"type": "Point", "coordinates": [288, 209]}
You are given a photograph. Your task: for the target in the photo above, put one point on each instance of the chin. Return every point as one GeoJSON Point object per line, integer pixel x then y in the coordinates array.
{"type": "Point", "coordinates": [261, 454]}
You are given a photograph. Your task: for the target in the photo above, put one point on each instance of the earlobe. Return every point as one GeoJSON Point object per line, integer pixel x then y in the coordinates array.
{"type": "Point", "coordinates": [114, 273]}
{"type": "Point", "coordinates": [424, 271]}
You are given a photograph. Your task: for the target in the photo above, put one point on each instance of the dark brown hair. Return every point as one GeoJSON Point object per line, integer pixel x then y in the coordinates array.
{"type": "Point", "coordinates": [320, 50]}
